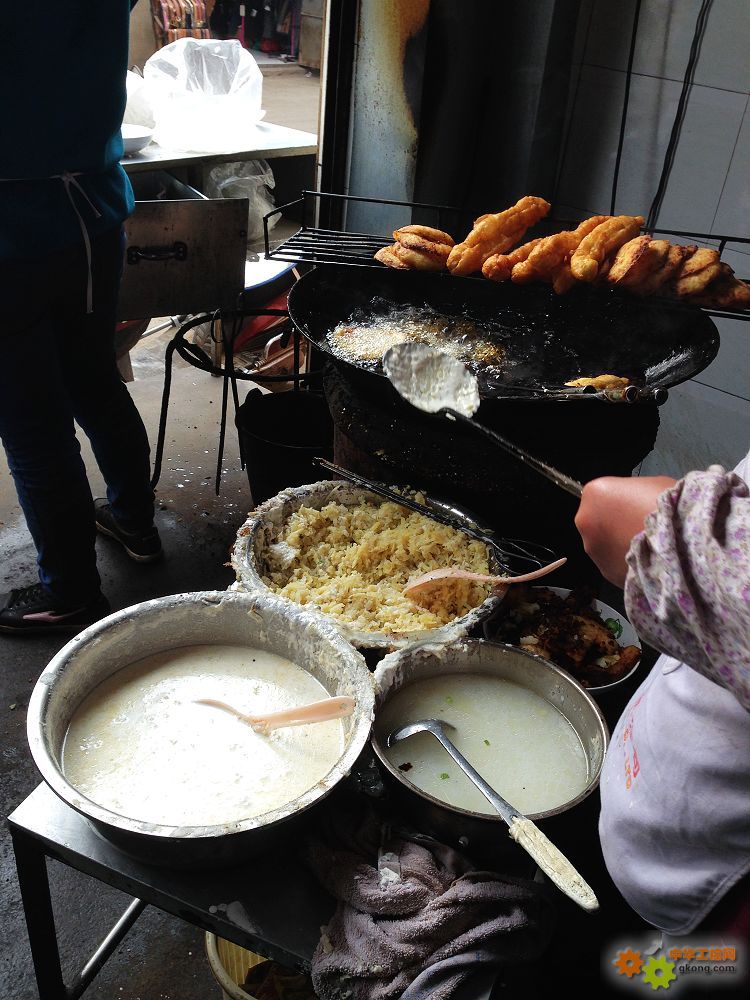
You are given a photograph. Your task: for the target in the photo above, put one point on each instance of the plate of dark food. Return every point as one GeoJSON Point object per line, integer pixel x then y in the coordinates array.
{"type": "Point", "coordinates": [582, 635]}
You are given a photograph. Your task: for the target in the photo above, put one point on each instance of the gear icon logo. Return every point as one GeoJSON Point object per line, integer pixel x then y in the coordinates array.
{"type": "Point", "coordinates": [629, 963]}
{"type": "Point", "coordinates": [658, 973]}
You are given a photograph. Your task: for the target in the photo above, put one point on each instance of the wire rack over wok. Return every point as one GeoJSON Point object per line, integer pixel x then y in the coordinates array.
{"type": "Point", "coordinates": [311, 244]}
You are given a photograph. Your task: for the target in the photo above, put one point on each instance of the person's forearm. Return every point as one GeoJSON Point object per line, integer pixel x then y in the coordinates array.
{"type": "Point", "coordinates": [611, 513]}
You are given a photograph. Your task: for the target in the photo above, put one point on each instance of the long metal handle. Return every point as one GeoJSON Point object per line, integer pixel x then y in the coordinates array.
{"type": "Point", "coordinates": [554, 475]}
{"type": "Point", "coordinates": [527, 835]}
{"type": "Point", "coordinates": [504, 807]}
{"type": "Point", "coordinates": [630, 394]}
{"type": "Point", "coordinates": [504, 548]}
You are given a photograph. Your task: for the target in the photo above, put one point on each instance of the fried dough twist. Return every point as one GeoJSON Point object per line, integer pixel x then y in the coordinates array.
{"type": "Point", "coordinates": [604, 240]}
{"type": "Point", "coordinates": [496, 233]}
{"type": "Point", "coordinates": [551, 253]}
{"type": "Point", "coordinates": [498, 267]}
{"type": "Point", "coordinates": [603, 249]}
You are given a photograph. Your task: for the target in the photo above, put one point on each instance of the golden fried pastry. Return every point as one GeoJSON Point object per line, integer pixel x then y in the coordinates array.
{"type": "Point", "coordinates": [496, 233]}
{"type": "Point", "coordinates": [647, 261]}
{"type": "Point", "coordinates": [697, 273]}
{"type": "Point", "coordinates": [425, 233]}
{"type": "Point", "coordinates": [562, 277]}
{"type": "Point", "coordinates": [733, 294]}
{"type": "Point", "coordinates": [601, 382]}
{"type": "Point", "coordinates": [661, 276]}
{"type": "Point", "coordinates": [417, 247]}
{"type": "Point", "coordinates": [551, 252]}
{"type": "Point", "coordinates": [725, 292]}
{"type": "Point", "coordinates": [411, 241]}
{"type": "Point", "coordinates": [604, 240]}
{"type": "Point", "coordinates": [387, 256]}
{"type": "Point", "coordinates": [499, 266]}
{"type": "Point", "coordinates": [632, 262]}
{"type": "Point", "coordinates": [420, 260]}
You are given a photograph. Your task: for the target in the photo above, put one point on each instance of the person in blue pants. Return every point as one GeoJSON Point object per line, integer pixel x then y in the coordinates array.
{"type": "Point", "coordinates": [63, 200]}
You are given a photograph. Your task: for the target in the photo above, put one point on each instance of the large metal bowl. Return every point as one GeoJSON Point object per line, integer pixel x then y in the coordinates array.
{"type": "Point", "coordinates": [483, 834]}
{"type": "Point", "coordinates": [258, 620]}
{"type": "Point", "coordinates": [264, 524]}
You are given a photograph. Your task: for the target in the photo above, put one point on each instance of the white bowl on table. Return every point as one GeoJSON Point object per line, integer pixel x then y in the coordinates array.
{"type": "Point", "coordinates": [135, 138]}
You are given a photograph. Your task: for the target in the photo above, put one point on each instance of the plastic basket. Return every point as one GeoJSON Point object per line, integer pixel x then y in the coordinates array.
{"type": "Point", "coordinates": [230, 964]}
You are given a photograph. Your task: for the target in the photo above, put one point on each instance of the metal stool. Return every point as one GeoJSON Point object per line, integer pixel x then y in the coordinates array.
{"type": "Point", "coordinates": [225, 326]}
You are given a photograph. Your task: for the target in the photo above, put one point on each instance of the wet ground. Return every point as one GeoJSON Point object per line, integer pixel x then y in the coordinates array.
{"type": "Point", "coordinates": [162, 958]}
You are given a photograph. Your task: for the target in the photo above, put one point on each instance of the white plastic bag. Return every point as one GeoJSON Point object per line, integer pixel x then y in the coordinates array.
{"type": "Point", "coordinates": [207, 95]}
{"type": "Point", "coordinates": [252, 179]}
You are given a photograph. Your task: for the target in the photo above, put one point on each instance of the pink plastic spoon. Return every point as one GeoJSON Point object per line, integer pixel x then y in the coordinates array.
{"type": "Point", "coordinates": [437, 576]}
{"type": "Point", "coordinates": [302, 715]}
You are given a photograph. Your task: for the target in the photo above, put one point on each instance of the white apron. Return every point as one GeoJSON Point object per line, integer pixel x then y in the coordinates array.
{"type": "Point", "coordinates": [675, 797]}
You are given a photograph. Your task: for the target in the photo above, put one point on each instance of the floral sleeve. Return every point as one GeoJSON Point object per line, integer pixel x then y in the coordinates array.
{"type": "Point", "coordinates": [687, 591]}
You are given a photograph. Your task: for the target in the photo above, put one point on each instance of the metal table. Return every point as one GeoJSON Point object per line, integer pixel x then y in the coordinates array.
{"type": "Point", "coordinates": [292, 151]}
{"type": "Point", "coordinates": [275, 909]}
{"type": "Point", "coordinates": [273, 141]}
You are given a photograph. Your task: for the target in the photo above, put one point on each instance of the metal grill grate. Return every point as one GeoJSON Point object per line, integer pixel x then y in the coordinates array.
{"type": "Point", "coordinates": [328, 246]}
{"type": "Point", "coordinates": [313, 245]}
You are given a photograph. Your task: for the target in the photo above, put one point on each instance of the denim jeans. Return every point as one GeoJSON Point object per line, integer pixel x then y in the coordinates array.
{"type": "Point", "coordinates": [58, 368]}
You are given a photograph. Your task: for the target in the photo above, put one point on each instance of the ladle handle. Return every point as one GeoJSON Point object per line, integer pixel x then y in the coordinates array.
{"type": "Point", "coordinates": [527, 835]}
{"type": "Point", "coordinates": [566, 483]}
{"type": "Point", "coordinates": [553, 862]}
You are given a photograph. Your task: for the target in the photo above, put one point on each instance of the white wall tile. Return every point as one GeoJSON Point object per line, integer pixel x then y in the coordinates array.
{"type": "Point", "coordinates": [665, 33]}
{"type": "Point", "coordinates": [699, 426]}
{"type": "Point", "coordinates": [733, 215]}
{"type": "Point", "coordinates": [712, 122]}
{"type": "Point", "coordinates": [724, 58]}
{"type": "Point", "coordinates": [610, 27]}
{"type": "Point", "coordinates": [730, 370]}
{"type": "Point", "coordinates": [586, 173]}
{"type": "Point", "coordinates": [704, 154]}
{"type": "Point", "coordinates": [585, 12]}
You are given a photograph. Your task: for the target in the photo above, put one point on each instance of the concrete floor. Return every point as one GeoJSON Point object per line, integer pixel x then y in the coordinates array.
{"type": "Point", "coordinates": [162, 958]}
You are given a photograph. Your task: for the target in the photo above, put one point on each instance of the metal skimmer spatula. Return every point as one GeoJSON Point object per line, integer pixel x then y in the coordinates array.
{"type": "Point", "coordinates": [435, 382]}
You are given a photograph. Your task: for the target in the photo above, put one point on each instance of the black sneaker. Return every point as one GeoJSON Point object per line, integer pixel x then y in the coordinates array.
{"type": "Point", "coordinates": [29, 610]}
{"type": "Point", "coordinates": [142, 546]}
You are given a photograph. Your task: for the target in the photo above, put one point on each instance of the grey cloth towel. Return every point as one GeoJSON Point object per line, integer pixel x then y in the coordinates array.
{"type": "Point", "coordinates": [414, 920]}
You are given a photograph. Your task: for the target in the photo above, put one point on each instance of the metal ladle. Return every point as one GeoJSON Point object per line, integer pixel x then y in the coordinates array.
{"type": "Point", "coordinates": [524, 831]}
{"type": "Point", "coordinates": [435, 382]}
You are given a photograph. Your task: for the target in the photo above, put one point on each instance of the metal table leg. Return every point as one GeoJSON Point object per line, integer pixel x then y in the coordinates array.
{"type": "Point", "coordinates": [33, 880]}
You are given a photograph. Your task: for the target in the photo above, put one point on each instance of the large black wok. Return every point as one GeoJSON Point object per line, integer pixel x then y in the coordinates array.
{"type": "Point", "coordinates": [548, 339]}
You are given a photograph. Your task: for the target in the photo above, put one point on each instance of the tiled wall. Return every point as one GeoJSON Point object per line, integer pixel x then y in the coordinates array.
{"type": "Point", "coordinates": [707, 419]}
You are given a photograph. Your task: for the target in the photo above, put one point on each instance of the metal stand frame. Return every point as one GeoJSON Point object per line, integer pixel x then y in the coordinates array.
{"type": "Point", "coordinates": [278, 910]}
{"type": "Point", "coordinates": [33, 880]}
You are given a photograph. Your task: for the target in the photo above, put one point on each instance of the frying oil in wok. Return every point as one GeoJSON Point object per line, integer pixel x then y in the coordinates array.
{"type": "Point", "coordinates": [364, 338]}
